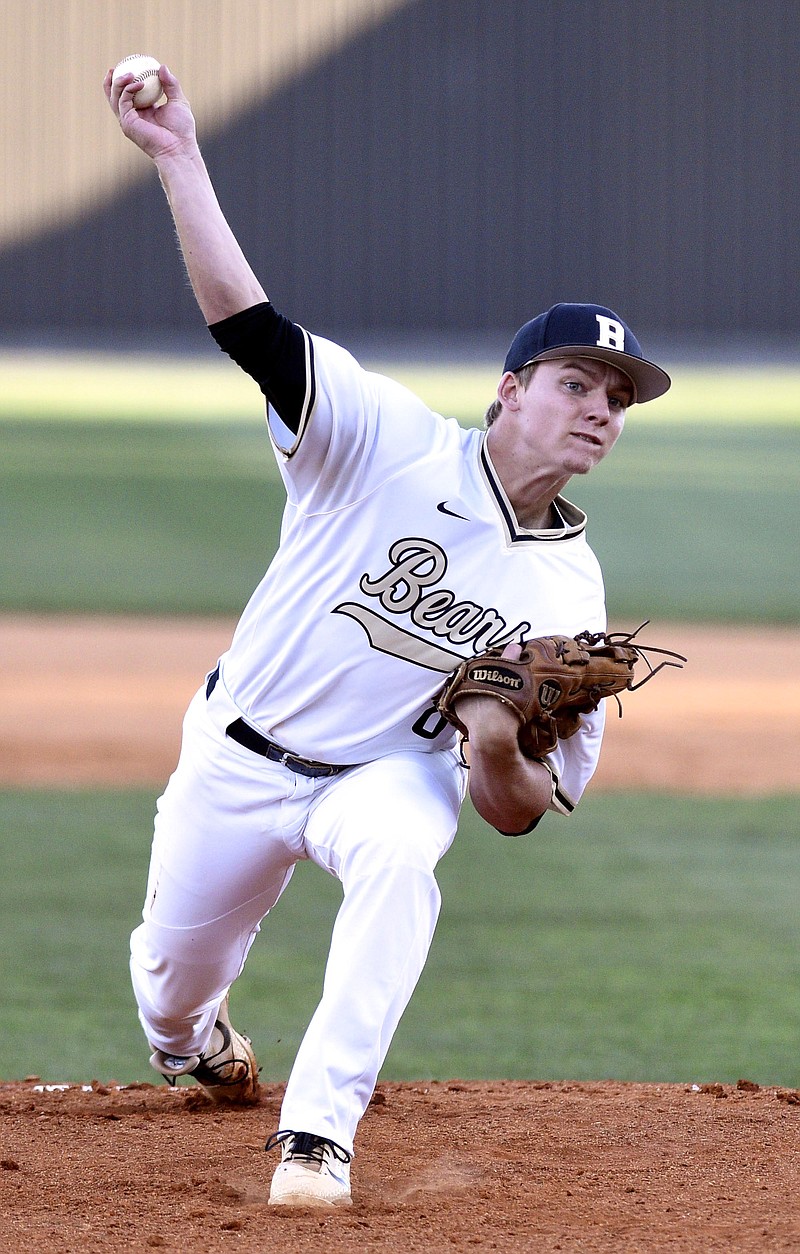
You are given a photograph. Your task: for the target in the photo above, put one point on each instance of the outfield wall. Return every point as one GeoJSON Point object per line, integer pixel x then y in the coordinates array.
{"type": "Point", "coordinates": [425, 165]}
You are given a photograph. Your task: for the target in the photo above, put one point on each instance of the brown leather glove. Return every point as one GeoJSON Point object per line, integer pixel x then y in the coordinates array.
{"type": "Point", "coordinates": [555, 680]}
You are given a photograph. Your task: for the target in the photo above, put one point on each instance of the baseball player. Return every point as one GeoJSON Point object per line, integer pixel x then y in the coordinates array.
{"type": "Point", "coordinates": [408, 544]}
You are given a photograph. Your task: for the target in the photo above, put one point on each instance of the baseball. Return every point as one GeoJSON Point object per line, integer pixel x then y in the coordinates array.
{"type": "Point", "coordinates": [146, 71]}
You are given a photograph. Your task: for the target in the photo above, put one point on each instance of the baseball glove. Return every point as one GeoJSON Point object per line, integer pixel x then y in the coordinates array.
{"type": "Point", "coordinates": [555, 680]}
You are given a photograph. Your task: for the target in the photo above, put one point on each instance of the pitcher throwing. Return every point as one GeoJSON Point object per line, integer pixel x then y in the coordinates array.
{"type": "Point", "coordinates": [408, 545]}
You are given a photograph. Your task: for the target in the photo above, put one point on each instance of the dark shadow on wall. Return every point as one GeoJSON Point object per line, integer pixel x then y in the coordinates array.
{"type": "Point", "coordinates": [464, 165]}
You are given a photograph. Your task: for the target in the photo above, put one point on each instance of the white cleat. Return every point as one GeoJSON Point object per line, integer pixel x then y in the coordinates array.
{"type": "Point", "coordinates": [226, 1070]}
{"type": "Point", "coordinates": [312, 1172]}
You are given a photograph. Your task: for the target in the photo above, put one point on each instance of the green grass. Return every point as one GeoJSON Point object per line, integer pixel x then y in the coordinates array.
{"type": "Point", "coordinates": [110, 387]}
{"type": "Point", "coordinates": [698, 523]}
{"type": "Point", "coordinates": [694, 522]}
{"type": "Point", "coordinates": [647, 938]}
{"type": "Point", "coordinates": [146, 485]}
{"type": "Point", "coordinates": [163, 519]}
{"type": "Point", "coordinates": [726, 396]}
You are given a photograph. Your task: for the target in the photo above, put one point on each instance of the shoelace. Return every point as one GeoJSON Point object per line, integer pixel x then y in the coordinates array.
{"type": "Point", "coordinates": [307, 1146]}
{"type": "Point", "coordinates": [224, 1071]}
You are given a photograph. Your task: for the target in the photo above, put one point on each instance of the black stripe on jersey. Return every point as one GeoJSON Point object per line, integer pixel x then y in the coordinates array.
{"type": "Point", "coordinates": [515, 533]}
{"type": "Point", "coordinates": [560, 801]}
{"type": "Point", "coordinates": [279, 355]}
{"type": "Point", "coordinates": [566, 803]}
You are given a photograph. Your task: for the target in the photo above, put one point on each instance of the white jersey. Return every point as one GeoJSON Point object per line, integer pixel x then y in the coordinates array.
{"type": "Point", "coordinates": [399, 556]}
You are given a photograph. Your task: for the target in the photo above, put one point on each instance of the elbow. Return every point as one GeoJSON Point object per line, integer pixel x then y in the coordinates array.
{"type": "Point", "coordinates": [509, 791]}
{"type": "Point", "coordinates": [513, 814]}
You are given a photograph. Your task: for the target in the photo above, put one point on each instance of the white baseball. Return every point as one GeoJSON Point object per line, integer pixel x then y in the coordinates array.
{"type": "Point", "coordinates": [145, 69]}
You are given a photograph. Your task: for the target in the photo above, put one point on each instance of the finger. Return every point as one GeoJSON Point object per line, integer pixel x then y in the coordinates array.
{"type": "Point", "coordinates": [512, 652]}
{"type": "Point", "coordinates": [115, 88]}
{"type": "Point", "coordinates": [127, 99]}
{"type": "Point", "coordinates": [172, 88]}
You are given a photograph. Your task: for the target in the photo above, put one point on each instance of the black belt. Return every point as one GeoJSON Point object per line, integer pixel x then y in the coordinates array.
{"type": "Point", "coordinates": [249, 738]}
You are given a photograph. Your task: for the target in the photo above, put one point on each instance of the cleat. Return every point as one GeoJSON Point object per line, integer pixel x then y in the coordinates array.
{"type": "Point", "coordinates": [226, 1071]}
{"type": "Point", "coordinates": [313, 1171]}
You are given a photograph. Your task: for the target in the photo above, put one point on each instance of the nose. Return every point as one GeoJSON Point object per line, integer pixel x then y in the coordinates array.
{"type": "Point", "coordinates": [599, 409]}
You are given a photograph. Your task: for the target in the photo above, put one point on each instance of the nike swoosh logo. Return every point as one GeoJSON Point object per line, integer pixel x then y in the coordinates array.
{"type": "Point", "coordinates": [442, 508]}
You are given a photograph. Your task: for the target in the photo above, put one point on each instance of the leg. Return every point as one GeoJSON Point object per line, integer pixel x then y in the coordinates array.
{"type": "Point", "coordinates": [381, 829]}
{"type": "Point", "coordinates": [227, 835]}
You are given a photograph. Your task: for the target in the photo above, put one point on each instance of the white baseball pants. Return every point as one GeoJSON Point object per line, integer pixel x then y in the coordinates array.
{"type": "Point", "coordinates": [229, 830]}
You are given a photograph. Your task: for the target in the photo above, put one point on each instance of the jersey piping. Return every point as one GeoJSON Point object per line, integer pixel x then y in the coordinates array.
{"type": "Point", "coordinates": [306, 406]}
{"type": "Point", "coordinates": [574, 518]}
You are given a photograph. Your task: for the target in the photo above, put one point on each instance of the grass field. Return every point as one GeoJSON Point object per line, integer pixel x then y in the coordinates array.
{"type": "Point", "coordinates": [157, 388]}
{"type": "Point", "coordinates": [646, 938]}
{"type": "Point", "coordinates": [147, 484]}
{"type": "Point", "coordinates": [689, 522]}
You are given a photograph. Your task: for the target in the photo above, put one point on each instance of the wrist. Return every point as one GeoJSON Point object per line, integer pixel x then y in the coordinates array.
{"type": "Point", "coordinates": [182, 161]}
{"type": "Point", "coordinates": [495, 748]}
{"type": "Point", "coordinates": [493, 725]}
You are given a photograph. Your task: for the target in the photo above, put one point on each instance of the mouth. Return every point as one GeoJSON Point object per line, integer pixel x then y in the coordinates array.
{"type": "Point", "coordinates": [587, 438]}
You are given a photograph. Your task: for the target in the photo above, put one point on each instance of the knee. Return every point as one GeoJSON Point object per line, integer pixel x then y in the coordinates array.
{"type": "Point", "coordinates": [168, 988]}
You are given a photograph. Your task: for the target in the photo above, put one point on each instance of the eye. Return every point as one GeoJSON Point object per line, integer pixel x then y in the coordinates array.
{"type": "Point", "coordinates": [573, 385]}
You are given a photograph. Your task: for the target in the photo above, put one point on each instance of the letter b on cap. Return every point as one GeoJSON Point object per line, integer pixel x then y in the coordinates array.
{"type": "Point", "coordinates": [612, 334]}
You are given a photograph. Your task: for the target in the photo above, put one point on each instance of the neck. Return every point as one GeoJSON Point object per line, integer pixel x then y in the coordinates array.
{"type": "Point", "coordinates": [530, 489]}
{"type": "Point", "coordinates": [536, 519]}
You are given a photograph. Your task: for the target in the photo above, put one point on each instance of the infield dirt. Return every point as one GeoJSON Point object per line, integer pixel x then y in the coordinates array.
{"type": "Point", "coordinates": [501, 1165]}
{"type": "Point", "coordinates": [99, 701]}
{"type": "Point", "coordinates": [447, 1166]}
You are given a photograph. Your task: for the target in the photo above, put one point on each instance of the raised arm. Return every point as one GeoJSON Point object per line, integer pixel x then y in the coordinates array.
{"type": "Point", "coordinates": [220, 275]}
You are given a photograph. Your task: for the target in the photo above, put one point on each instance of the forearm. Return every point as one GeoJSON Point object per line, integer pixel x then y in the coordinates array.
{"type": "Point", "coordinates": [221, 277]}
{"type": "Point", "coordinates": [508, 790]}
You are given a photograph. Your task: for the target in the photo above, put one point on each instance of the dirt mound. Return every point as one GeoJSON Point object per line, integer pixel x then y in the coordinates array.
{"type": "Point", "coordinates": [441, 1166]}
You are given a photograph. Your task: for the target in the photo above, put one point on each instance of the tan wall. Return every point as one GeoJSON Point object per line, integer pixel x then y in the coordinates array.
{"type": "Point", "coordinates": [60, 151]}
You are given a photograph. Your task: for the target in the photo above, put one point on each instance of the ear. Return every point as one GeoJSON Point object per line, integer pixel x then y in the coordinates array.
{"type": "Point", "coordinates": [508, 390]}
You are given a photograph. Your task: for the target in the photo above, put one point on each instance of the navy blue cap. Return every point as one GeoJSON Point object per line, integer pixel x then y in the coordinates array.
{"type": "Point", "coordinates": [587, 331]}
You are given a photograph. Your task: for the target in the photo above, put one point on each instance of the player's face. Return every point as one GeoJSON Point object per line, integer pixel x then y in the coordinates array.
{"type": "Point", "coordinates": [572, 412]}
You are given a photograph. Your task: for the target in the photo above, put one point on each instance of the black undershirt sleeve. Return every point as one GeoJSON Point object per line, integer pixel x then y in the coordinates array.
{"type": "Point", "coordinates": [274, 351]}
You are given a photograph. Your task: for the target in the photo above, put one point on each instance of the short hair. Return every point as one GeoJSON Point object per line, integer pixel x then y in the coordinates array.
{"type": "Point", "coordinates": [523, 376]}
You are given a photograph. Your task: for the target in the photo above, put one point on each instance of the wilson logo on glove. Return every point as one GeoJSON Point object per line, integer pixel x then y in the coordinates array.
{"type": "Point", "coordinates": [549, 693]}
{"type": "Point", "coordinates": [497, 677]}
